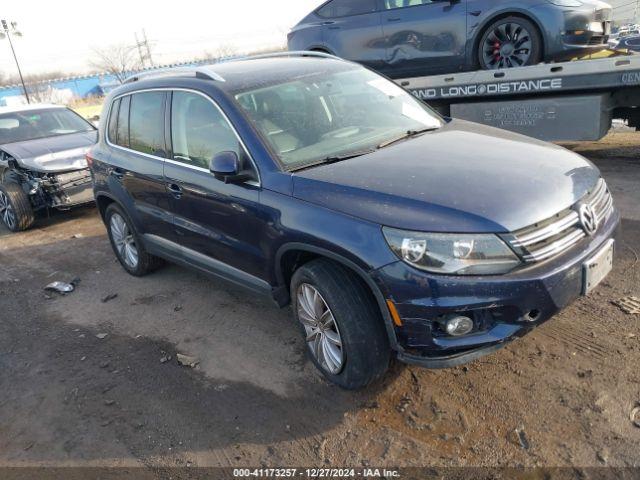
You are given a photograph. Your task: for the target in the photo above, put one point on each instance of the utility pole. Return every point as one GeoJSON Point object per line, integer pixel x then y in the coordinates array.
{"type": "Point", "coordinates": [144, 50]}
{"type": "Point", "coordinates": [7, 34]}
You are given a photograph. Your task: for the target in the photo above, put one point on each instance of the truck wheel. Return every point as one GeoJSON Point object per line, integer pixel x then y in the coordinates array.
{"type": "Point", "coordinates": [15, 209]}
{"type": "Point", "coordinates": [342, 326]}
{"type": "Point", "coordinates": [126, 243]}
{"type": "Point", "coordinates": [510, 42]}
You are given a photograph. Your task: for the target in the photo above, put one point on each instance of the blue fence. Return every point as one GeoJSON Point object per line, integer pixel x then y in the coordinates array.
{"type": "Point", "coordinates": [84, 86]}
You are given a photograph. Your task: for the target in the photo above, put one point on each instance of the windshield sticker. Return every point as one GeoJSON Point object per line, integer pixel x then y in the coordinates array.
{"type": "Point", "coordinates": [388, 88]}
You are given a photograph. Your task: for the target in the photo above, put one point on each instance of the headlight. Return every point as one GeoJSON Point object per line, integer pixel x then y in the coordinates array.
{"type": "Point", "coordinates": [453, 254]}
{"type": "Point", "coordinates": [566, 3]}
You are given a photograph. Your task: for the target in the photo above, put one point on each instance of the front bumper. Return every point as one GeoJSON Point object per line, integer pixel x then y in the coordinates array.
{"type": "Point", "coordinates": [582, 30]}
{"type": "Point", "coordinates": [61, 190]}
{"type": "Point", "coordinates": [503, 307]}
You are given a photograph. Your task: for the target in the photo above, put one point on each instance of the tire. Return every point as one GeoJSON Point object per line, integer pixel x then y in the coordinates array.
{"type": "Point", "coordinates": [364, 347]}
{"type": "Point", "coordinates": [126, 243]}
{"type": "Point", "coordinates": [504, 42]}
{"type": "Point", "coordinates": [15, 208]}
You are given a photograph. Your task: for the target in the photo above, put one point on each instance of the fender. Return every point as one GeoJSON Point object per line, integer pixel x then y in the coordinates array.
{"type": "Point", "coordinates": [123, 201]}
{"type": "Point", "coordinates": [382, 306]}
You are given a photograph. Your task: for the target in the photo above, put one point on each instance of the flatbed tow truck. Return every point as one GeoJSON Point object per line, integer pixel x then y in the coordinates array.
{"type": "Point", "coordinates": [570, 101]}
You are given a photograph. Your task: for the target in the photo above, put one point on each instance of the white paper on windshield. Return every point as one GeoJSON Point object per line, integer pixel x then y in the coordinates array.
{"type": "Point", "coordinates": [418, 114]}
{"type": "Point", "coordinates": [388, 88]}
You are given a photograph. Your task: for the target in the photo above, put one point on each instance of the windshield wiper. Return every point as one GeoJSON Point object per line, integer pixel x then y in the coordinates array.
{"type": "Point", "coordinates": [347, 156]}
{"type": "Point", "coordinates": [405, 135]}
{"type": "Point", "coordinates": [334, 159]}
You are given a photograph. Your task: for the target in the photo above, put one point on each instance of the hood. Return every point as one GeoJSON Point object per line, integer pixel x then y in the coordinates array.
{"type": "Point", "coordinates": [462, 178]}
{"type": "Point", "coordinates": [52, 154]}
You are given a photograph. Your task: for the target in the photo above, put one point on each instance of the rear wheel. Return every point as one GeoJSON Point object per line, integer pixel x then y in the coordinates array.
{"type": "Point", "coordinates": [341, 324]}
{"type": "Point", "coordinates": [126, 243]}
{"type": "Point", "coordinates": [510, 42]}
{"type": "Point", "coordinates": [15, 209]}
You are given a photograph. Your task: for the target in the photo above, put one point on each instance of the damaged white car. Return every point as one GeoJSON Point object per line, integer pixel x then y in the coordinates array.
{"type": "Point", "coordinates": [42, 162]}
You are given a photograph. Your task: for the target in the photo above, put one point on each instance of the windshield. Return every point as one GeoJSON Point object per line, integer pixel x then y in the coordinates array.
{"type": "Point", "coordinates": [33, 124]}
{"type": "Point", "coordinates": [333, 114]}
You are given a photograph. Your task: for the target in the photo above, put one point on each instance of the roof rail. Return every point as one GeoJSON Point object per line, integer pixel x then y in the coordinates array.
{"type": "Point", "coordinates": [197, 72]}
{"type": "Point", "coordinates": [296, 53]}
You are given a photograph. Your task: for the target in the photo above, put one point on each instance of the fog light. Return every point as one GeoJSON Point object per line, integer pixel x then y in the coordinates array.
{"type": "Point", "coordinates": [458, 326]}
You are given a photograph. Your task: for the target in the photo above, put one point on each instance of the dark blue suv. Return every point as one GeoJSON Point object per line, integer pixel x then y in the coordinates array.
{"type": "Point", "coordinates": [320, 183]}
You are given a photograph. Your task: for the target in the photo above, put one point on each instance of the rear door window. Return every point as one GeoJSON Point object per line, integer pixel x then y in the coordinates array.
{"type": "Point", "coordinates": [345, 8]}
{"type": "Point", "coordinates": [391, 4]}
{"type": "Point", "coordinates": [146, 123]}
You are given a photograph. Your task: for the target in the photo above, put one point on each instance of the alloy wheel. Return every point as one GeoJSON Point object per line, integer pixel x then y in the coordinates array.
{"type": "Point", "coordinates": [124, 240]}
{"type": "Point", "coordinates": [323, 335]}
{"type": "Point", "coordinates": [6, 211]}
{"type": "Point", "coordinates": [508, 45]}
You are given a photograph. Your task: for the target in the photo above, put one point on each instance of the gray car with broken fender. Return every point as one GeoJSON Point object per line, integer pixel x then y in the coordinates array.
{"type": "Point", "coordinates": [42, 162]}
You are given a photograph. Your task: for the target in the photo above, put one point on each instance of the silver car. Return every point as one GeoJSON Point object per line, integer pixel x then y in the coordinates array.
{"type": "Point", "coordinates": [42, 162]}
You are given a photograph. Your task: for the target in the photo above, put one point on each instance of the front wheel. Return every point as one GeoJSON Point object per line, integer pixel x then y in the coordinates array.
{"type": "Point", "coordinates": [342, 326]}
{"type": "Point", "coordinates": [15, 208]}
{"type": "Point", "coordinates": [510, 42]}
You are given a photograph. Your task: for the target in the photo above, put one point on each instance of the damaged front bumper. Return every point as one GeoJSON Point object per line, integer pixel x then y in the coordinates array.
{"type": "Point", "coordinates": [58, 190]}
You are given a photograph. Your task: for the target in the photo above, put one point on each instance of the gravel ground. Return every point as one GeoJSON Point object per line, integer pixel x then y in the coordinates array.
{"type": "Point", "coordinates": [72, 396]}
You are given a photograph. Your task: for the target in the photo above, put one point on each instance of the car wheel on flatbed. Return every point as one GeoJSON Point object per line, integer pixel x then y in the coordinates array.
{"type": "Point", "coordinates": [126, 243]}
{"type": "Point", "coordinates": [341, 323]}
{"type": "Point", "coordinates": [510, 42]}
{"type": "Point", "coordinates": [15, 208]}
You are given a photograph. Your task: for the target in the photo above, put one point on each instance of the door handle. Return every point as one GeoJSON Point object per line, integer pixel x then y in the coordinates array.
{"type": "Point", "coordinates": [328, 23]}
{"type": "Point", "coordinates": [116, 173]}
{"type": "Point", "coordinates": [475, 13]}
{"type": "Point", "coordinates": [175, 190]}
{"type": "Point", "coordinates": [393, 19]}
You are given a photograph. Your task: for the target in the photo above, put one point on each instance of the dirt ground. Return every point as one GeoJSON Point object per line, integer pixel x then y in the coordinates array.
{"type": "Point", "coordinates": [71, 396]}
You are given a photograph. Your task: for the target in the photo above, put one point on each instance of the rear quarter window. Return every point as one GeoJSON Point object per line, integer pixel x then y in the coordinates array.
{"type": "Point", "coordinates": [112, 131]}
{"type": "Point", "coordinates": [122, 131]}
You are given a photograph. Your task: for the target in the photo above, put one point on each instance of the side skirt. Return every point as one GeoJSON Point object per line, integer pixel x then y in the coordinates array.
{"type": "Point", "coordinates": [176, 253]}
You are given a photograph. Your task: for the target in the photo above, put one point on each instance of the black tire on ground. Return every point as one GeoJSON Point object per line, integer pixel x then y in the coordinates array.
{"type": "Point", "coordinates": [18, 215]}
{"type": "Point", "coordinates": [536, 50]}
{"type": "Point", "coordinates": [146, 263]}
{"type": "Point", "coordinates": [365, 345]}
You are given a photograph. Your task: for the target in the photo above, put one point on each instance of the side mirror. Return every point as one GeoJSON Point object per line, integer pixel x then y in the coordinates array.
{"type": "Point", "coordinates": [225, 166]}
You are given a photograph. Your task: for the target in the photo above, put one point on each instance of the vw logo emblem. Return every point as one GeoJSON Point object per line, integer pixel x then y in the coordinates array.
{"type": "Point", "coordinates": [588, 219]}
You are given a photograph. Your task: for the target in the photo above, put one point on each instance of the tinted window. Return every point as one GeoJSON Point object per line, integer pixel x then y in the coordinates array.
{"type": "Point", "coordinates": [199, 130]}
{"type": "Point", "coordinates": [343, 8]}
{"type": "Point", "coordinates": [146, 123]}
{"type": "Point", "coordinates": [390, 4]}
{"type": "Point", "coordinates": [113, 120]}
{"type": "Point", "coordinates": [33, 124]}
{"type": "Point", "coordinates": [122, 133]}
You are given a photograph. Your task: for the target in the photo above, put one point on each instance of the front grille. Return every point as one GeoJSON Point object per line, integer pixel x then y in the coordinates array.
{"type": "Point", "coordinates": [562, 231]}
{"type": "Point", "coordinates": [597, 40]}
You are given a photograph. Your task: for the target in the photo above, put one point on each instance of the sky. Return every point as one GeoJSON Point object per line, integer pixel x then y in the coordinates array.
{"type": "Point", "coordinates": [60, 35]}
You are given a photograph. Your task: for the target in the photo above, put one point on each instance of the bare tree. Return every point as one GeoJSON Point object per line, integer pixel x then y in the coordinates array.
{"type": "Point", "coordinates": [225, 50]}
{"type": "Point", "coordinates": [118, 60]}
